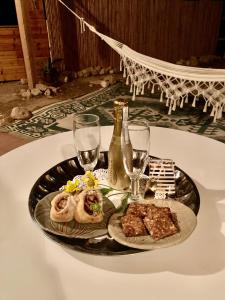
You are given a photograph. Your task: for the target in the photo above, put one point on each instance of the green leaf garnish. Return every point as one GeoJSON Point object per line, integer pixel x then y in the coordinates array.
{"type": "Point", "coordinates": [96, 208]}
{"type": "Point", "coordinates": [105, 191]}
{"type": "Point", "coordinates": [123, 204]}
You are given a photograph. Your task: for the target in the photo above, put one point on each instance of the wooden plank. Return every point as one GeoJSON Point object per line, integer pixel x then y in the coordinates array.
{"type": "Point", "coordinates": [9, 40]}
{"type": "Point", "coordinates": [39, 46]}
{"type": "Point", "coordinates": [8, 47]}
{"type": "Point", "coordinates": [41, 35]}
{"type": "Point", "coordinates": [12, 73]}
{"type": "Point", "coordinates": [25, 35]}
{"type": "Point", "coordinates": [9, 30]}
{"type": "Point", "coordinates": [35, 27]}
{"type": "Point", "coordinates": [14, 35]}
{"type": "Point", "coordinates": [11, 62]}
{"type": "Point", "coordinates": [12, 76]}
{"type": "Point", "coordinates": [42, 52]}
{"type": "Point", "coordinates": [7, 54]}
{"type": "Point", "coordinates": [12, 69]}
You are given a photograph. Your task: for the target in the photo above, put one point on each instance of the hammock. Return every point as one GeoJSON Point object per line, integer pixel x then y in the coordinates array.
{"type": "Point", "coordinates": [175, 82]}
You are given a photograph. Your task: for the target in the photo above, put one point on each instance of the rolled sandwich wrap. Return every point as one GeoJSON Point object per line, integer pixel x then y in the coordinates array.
{"type": "Point", "coordinates": [89, 208]}
{"type": "Point", "coordinates": [62, 207]}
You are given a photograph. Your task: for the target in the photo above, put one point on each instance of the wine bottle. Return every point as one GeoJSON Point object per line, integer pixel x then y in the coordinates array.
{"type": "Point", "coordinates": [117, 177]}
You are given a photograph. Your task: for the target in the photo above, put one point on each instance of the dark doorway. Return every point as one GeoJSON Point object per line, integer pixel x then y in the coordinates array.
{"type": "Point", "coordinates": [7, 13]}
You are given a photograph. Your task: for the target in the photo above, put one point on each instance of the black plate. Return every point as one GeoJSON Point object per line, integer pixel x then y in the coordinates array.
{"type": "Point", "coordinates": [57, 176]}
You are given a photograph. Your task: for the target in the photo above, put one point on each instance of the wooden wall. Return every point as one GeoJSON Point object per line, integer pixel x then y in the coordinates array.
{"type": "Point", "coordinates": [164, 29]}
{"type": "Point", "coordinates": [11, 55]}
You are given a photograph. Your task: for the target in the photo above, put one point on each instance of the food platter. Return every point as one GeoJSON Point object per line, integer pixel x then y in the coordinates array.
{"type": "Point", "coordinates": [103, 244]}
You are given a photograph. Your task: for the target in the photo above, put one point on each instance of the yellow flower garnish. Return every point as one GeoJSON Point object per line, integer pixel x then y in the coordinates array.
{"type": "Point", "coordinates": [71, 186]}
{"type": "Point", "coordinates": [90, 180]}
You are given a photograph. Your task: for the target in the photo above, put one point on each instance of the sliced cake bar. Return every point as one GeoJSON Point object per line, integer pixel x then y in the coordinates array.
{"type": "Point", "coordinates": [133, 226]}
{"type": "Point", "coordinates": [137, 209]}
{"type": "Point", "coordinates": [159, 222]}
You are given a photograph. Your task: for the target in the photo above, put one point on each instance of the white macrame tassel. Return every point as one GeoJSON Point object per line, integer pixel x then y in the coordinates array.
{"type": "Point", "coordinates": [182, 102]}
{"type": "Point", "coordinates": [82, 25]}
{"type": "Point", "coordinates": [220, 112]}
{"type": "Point", "coordinates": [161, 97]}
{"type": "Point", "coordinates": [127, 80]}
{"type": "Point", "coordinates": [121, 62]}
{"type": "Point", "coordinates": [170, 108]}
{"type": "Point", "coordinates": [143, 89]}
{"type": "Point", "coordinates": [153, 89]}
{"type": "Point", "coordinates": [134, 94]}
{"type": "Point", "coordinates": [194, 102]}
{"type": "Point", "coordinates": [124, 72]}
{"type": "Point", "coordinates": [131, 88]}
{"type": "Point", "coordinates": [215, 114]}
{"type": "Point", "coordinates": [186, 99]}
{"type": "Point", "coordinates": [216, 109]}
{"type": "Point", "coordinates": [167, 102]}
{"type": "Point", "coordinates": [137, 90]}
{"type": "Point", "coordinates": [212, 112]}
{"type": "Point", "coordinates": [205, 106]}
{"type": "Point", "coordinates": [174, 105]}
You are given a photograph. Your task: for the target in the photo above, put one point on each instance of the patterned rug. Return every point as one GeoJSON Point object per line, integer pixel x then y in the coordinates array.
{"type": "Point", "coordinates": [58, 117]}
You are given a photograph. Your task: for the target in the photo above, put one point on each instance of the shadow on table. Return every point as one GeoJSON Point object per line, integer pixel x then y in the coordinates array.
{"type": "Point", "coordinates": [203, 253]}
{"type": "Point", "coordinates": [25, 265]}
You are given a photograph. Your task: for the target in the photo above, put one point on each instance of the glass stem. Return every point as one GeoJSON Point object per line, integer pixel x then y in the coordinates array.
{"type": "Point", "coordinates": [134, 188]}
{"type": "Point", "coordinates": [88, 169]}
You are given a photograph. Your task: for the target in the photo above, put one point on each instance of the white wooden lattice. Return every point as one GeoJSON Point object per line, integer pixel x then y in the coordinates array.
{"type": "Point", "coordinates": [162, 172]}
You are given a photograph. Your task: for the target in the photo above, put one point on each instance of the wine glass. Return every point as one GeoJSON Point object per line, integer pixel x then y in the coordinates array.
{"type": "Point", "coordinates": [135, 149]}
{"type": "Point", "coordinates": [86, 134]}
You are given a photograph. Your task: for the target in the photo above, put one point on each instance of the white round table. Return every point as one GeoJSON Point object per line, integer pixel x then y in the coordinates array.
{"type": "Point", "coordinates": [34, 267]}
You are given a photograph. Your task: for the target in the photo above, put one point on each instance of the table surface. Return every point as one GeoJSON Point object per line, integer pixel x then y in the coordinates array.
{"type": "Point", "coordinates": [35, 267]}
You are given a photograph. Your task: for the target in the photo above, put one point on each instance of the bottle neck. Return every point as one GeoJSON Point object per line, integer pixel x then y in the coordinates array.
{"type": "Point", "coordinates": [118, 118]}
{"type": "Point", "coordinates": [120, 114]}
{"type": "Point", "coordinates": [117, 126]}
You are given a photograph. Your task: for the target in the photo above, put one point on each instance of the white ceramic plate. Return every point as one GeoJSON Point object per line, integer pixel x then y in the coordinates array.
{"type": "Point", "coordinates": [186, 218]}
{"type": "Point", "coordinates": [71, 229]}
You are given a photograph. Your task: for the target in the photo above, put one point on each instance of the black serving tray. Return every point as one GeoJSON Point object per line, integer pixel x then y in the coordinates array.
{"type": "Point", "coordinates": [57, 176]}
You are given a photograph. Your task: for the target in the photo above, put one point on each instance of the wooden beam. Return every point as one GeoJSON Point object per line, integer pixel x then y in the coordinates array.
{"type": "Point", "coordinates": [26, 40]}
